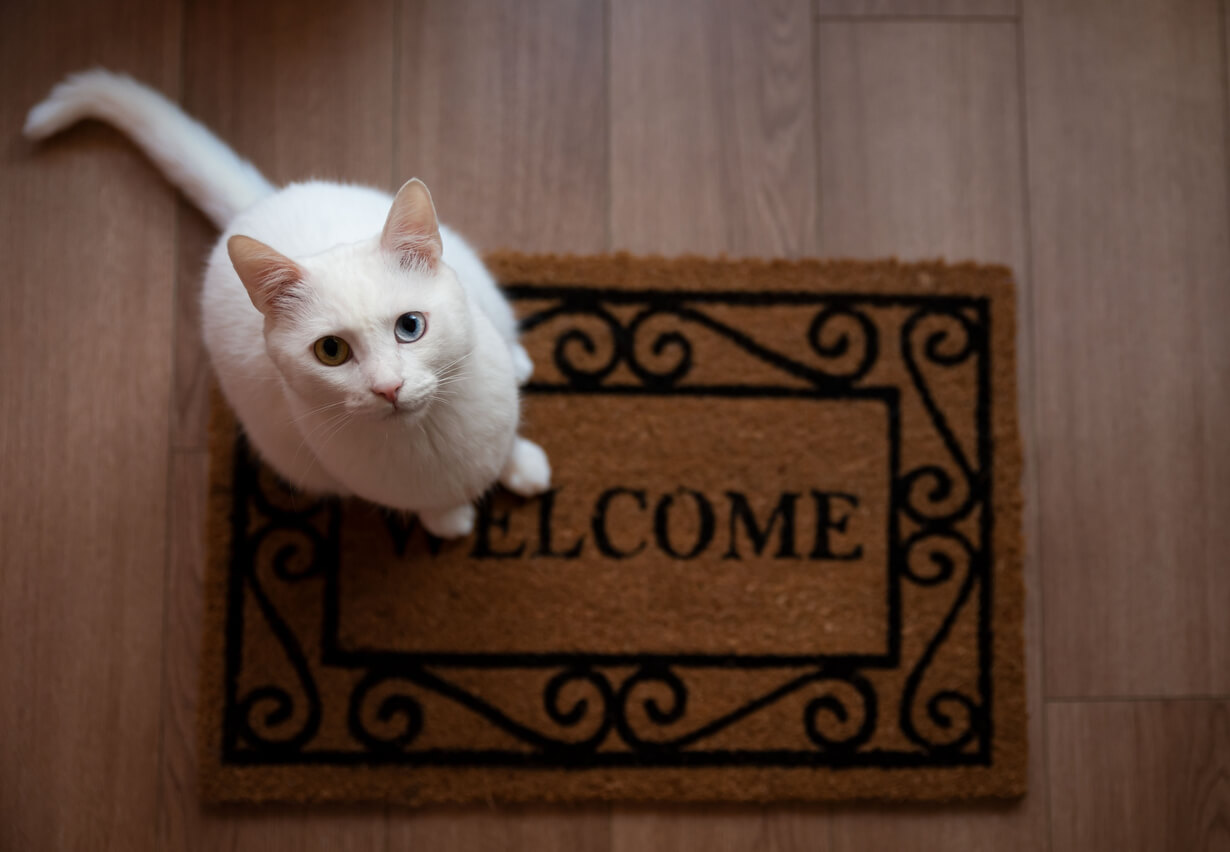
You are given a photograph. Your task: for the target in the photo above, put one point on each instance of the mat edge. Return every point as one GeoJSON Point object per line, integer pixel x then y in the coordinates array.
{"type": "Point", "coordinates": [221, 784]}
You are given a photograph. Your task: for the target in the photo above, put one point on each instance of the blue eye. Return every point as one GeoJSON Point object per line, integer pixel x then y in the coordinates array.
{"type": "Point", "coordinates": [410, 327]}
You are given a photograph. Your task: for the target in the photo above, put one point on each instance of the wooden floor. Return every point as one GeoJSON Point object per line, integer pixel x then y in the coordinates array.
{"type": "Point", "coordinates": [1084, 143]}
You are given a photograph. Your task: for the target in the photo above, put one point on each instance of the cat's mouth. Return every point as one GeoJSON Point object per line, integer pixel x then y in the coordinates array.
{"type": "Point", "coordinates": [410, 409]}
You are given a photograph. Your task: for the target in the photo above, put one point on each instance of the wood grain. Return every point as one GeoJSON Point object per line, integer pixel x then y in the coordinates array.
{"type": "Point", "coordinates": [87, 233]}
{"type": "Point", "coordinates": [531, 829]}
{"type": "Point", "coordinates": [729, 829]}
{"type": "Point", "coordinates": [920, 140]}
{"type": "Point", "coordinates": [254, 74]}
{"type": "Point", "coordinates": [917, 8]}
{"type": "Point", "coordinates": [502, 111]}
{"type": "Point", "coordinates": [712, 134]}
{"type": "Point", "coordinates": [1127, 128]}
{"type": "Point", "coordinates": [920, 155]}
{"type": "Point", "coordinates": [1140, 775]}
{"type": "Point", "coordinates": [178, 818]}
{"type": "Point", "coordinates": [302, 90]}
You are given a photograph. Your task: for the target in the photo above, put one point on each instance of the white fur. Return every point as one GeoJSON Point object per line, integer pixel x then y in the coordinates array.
{"type": "Point", "coordinates": [209, 173]}
{"type": "Point", "coordinates": [452, 431]}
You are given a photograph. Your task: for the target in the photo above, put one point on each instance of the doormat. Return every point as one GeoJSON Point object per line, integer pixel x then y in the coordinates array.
{"type": "Point", "coordinates": [780, 561]}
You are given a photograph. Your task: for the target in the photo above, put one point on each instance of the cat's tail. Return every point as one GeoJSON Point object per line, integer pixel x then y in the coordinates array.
{"type": "Point", "coordinates": [213, 176]}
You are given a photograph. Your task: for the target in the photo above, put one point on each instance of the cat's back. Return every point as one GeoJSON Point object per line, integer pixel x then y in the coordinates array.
{"type": "Point", "coordinates": [299, 220]}
{"type": "Point", "coordinates": [304, 219]}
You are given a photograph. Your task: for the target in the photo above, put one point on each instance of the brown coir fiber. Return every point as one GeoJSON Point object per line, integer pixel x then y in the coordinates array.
{"type": "Point", "coordinates": [781, 560]}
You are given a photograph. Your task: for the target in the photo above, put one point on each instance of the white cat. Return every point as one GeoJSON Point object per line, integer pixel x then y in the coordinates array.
{"type": "Point", "coordinates": [365, 349]}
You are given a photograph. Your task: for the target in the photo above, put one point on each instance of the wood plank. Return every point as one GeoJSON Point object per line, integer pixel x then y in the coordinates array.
{"type": "Point", "coordinates": [727, 829]}
{"type": "Point", "coordinates": [87, 234]}
{"type": "Point", "coordinates": [920, 141]}
{"type": "Point", "coordinates": [508, 829]}
{"type": "Point", "coordinates": [920, 153]}
{"type": "Point", "coordinates": [178, 817]}
{"type": "Point", "coordinates": [712, 151]}
{"type": "Point", "coordinates": [183, 824]}
{"type": "Point", "coordinates": [254, 74]}
{"type": "Point", "coordinates": [917, 8]}
{"type": "Point", "coordinates": [502, 112]}
{"type": "Point", "coordinates": [712, 138]}
{"type": "Point", "coordinates": [192, 376]}
{"type": "Point", "coordinates": [1139, 775]}
{"type": "Point", "coordinates": [1127, 127]}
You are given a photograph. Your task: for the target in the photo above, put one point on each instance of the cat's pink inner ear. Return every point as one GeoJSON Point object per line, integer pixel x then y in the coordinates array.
{"type": "Point", "coordinates": [268, 275]}
{"type": "Point", "coordinates": [412, 232]}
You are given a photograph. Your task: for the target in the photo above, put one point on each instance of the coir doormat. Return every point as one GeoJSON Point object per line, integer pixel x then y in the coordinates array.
{"type": "Point", "coordinates": [781, 560]}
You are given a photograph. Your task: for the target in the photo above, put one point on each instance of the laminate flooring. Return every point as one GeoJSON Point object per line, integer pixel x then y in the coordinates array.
{"type": "Point", "coordinates": [1084, 144]}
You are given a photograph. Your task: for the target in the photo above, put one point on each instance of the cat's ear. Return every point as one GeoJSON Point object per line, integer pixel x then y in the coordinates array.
{"type": "Point", "coordinates": [411, 232]}
{"type": "Point", "coordinates": [267, 275]}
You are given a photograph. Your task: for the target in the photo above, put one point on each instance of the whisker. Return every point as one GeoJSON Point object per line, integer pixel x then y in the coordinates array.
{"type": "Point", "coordinates": [456, 361]}
{"type": "Point", "coordinates": [344, 421]}
{"type": "Point", "coordinates": [318, 410]}
{"type": "Point", "coordinates": [319, 427]}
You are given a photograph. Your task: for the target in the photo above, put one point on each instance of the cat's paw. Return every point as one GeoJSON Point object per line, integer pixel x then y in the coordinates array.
{"type": "Point", "coordinates": [528, 472]}
{"type": "Point", "coordinates": [449, 523]}
{"type": "Point", "coordinates": [523, 367]}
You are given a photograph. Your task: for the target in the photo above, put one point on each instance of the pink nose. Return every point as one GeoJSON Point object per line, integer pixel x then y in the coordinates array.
{"type": "Point", "coordinates": [389, 392]}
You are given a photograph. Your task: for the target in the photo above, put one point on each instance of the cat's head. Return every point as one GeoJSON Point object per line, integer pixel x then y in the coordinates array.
{"type": "Point", "coordinates": [376, 328]}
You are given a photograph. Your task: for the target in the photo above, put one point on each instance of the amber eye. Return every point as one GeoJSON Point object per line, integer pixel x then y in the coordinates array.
{"type": "Point", "coordinates": [332, 351]}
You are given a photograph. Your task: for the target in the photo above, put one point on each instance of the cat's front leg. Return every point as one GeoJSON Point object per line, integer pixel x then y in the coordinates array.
{"type": "Point", "coordinates": [449, 523]}
{"type": "Point", "coordinates": [527, 471]}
